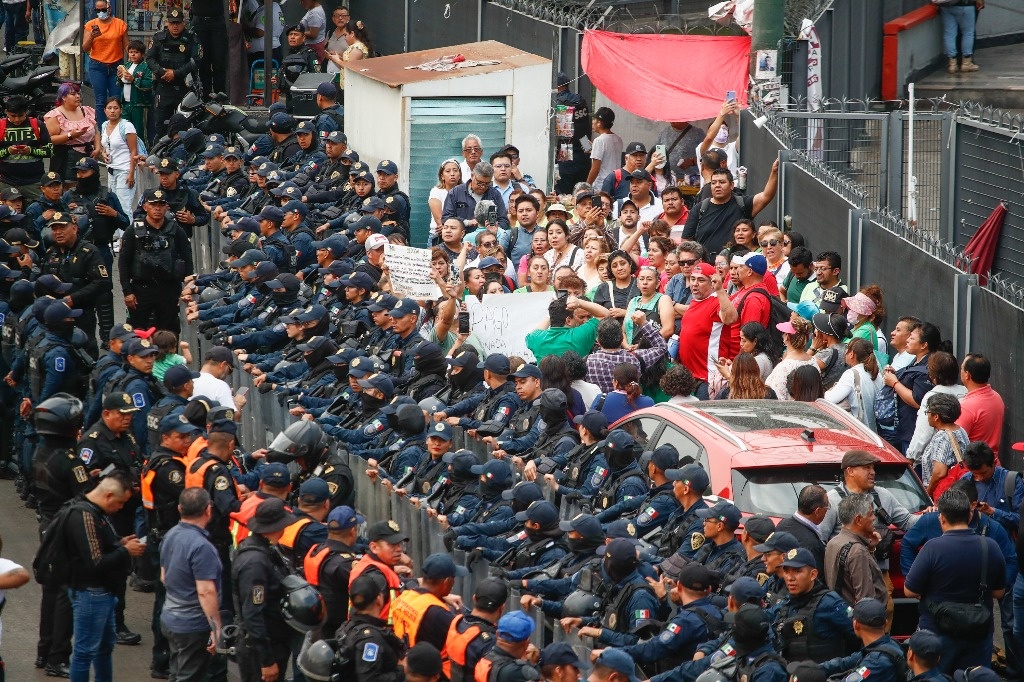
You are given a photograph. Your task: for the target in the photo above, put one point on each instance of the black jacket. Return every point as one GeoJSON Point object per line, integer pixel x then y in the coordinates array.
{"type": "Point", "coordinates": [807, 538]}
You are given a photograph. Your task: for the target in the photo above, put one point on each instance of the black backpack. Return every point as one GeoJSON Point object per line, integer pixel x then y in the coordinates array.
{"type": "Point", "coordinates": [779, 312]}
{"type": "Point", "coordinates": [51, 566]}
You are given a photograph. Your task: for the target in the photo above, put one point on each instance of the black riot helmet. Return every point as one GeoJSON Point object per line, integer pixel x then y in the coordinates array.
{"type": "Point", "coordinates": [409, 420]}
{"type": "Point", "coordinates": [301, 440]}
{"type": "Point", "coordinates": [581, 604]}
{"type": "Point", "coordinates": [303, 607]}
{"type": "Point", "coordinates": [317, 661]}
{"type": "Point", "coordinates": [432, 405]}
{"type": "Point", "coordinates": [59, 416]}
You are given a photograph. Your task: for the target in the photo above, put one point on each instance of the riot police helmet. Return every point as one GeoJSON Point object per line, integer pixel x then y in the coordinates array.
{"type": "Point", "coordinates": [300, 440]}
{"type": "Point", "coordinates": [317, 661]}
{"type": "Point", "coordinates": [581, 604]}
{"type": "Point", "coordinates": [59, 415]}
{"type": "Point", "coordinates": [302, 605]}
{"type": "Point", "coordinates": [432, 405]}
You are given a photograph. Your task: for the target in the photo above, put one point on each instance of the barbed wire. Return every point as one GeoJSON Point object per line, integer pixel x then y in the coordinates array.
{"type": "Point", "coordinates": [1010, 291]}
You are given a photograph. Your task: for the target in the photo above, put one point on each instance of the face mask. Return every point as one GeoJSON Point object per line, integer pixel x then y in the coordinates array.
{"type": "Point", "coordinates": [722, 137]}
{"type": "Point", "coordinates": [852, 317]}
{"type": "Point", "coordinates": [282, 297]}
{"type": "Point", "coordinates": [102, 15]}
{"type": "Point", "coordinates": [619, 460]}
{"type": "Point", "coordinates": [341, 373]}
{"type": "Point", "coordinates": [371, 402]}
{"type": "Point", "coordinates": [490, 491]}
{"type": "Point", "coordinates": [89, 185]}
{"type": "Point", "coordinates": [581, 544]}
{"type": "Point", "coordinates": [61, 329]}
{"type": "Point", "coordinates": [534, 533]}
{"type": "Point", "coordinates": [552, 417]}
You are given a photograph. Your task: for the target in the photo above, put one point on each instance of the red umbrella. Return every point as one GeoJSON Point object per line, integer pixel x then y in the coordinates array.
{"type": "Point", "coordinates": [982, 246]}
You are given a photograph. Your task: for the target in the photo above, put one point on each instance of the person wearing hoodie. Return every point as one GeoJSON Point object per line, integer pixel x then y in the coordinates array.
{"type": "Point", "coordinates": [430, 367]}
{"type": "Point", "coordinates": [465, 379]}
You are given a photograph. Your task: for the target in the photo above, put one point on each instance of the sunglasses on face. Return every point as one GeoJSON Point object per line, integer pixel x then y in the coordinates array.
{"type": "Point", "coordinates": [769, 242]}
{"type": "Point", "coordinates": [787, 243]}
{"type": "Point", "coordinates": [689, 262]}
{"type": "Point", "coordinates": [488, 245]}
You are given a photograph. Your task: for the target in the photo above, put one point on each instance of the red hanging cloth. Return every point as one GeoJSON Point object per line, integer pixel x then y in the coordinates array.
{"type": "Point", "coordinates": [982, 246]}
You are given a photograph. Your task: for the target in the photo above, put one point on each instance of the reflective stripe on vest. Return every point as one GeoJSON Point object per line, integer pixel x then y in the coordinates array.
{"type": "Point", "coordinates": [291, 533]}
{"type": "Point", "coordinates": [456, 645]}
{"type": "Point", "coordinates": [240, 518]}
{"type": "Point", "coordinates": [394, 582]}
{"type": "Point", "coordinates": [407, 612]}
{"type": "Point", "coordinates": [194, 478]}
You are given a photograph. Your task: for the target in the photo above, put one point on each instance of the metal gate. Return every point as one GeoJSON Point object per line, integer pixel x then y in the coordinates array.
{"type": "Point", "coordinates": [436, 129]}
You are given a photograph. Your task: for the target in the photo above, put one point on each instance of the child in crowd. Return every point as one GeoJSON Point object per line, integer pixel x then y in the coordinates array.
{"type": "Point", "coordinates": [169, 347]}
{"type": "Point", "coordinates": [137, 89]}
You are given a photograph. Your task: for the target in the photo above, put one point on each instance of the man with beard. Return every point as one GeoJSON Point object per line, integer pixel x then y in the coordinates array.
{"type": "Point", "coordinates": [79, 263]}
{"type": "Point", "coordinates": [710, 223]}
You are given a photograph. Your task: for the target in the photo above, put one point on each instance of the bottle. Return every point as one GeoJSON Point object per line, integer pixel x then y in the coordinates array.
{"type": "Point", "coordinates": [741, 178]}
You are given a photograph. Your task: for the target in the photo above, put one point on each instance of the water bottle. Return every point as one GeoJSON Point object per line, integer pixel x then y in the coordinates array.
{"type": "Point", "coordinates": [741, 178]}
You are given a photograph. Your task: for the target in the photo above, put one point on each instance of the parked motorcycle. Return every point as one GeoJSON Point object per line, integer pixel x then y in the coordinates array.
{"type": "Point", "coordinates": [215, 116]}
{"type": "Point", "coordinates": [39, 87]}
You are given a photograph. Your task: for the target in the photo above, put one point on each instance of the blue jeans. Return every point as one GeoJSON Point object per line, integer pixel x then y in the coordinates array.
{"type": "Point", "coordinates": [94, 635]}
{"type": "Point", "coordinates": [103, 78]}
{"type": "Point", "coordinates": [956, 19]}
{"type": "Point", "coordinates": [17, 24]}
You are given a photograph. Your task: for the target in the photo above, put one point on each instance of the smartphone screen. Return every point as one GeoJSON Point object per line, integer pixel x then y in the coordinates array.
{"type": "Point", "coordinates": [242, 391]}
{"type": "Point", "coordinates": [562, 294]}
{"type": "Point", "coordinates": [731, 96]}
{"type": "Point", "coordinates": [464, 323]}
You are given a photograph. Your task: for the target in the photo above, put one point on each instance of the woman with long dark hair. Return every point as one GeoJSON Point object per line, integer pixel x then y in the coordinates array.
{"type": "Point", "coordinates": [556, 375]}
{"type": "Point", "coordinates": [805, 384]}
{"type": "Point", "coordinates": [359, 47]}
{"type": "Point", "coordinates": [754, 339]}
{"type": "Point", "coordinates": [911, 383]}
{"type": "Point", "coordinates": [627, 396]}
{"type": "Point", "coordinates": [745, 382]}
{"type": "Point", "coordinates": [621, 288]}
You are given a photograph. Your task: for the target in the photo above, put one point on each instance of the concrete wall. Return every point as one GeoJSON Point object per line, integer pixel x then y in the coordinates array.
{"type": "Point", "coordinates": [920, 50]}
{"type": "Point", "coordinates": [374, 117]}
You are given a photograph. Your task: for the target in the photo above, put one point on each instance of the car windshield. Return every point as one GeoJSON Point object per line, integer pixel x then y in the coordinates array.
{"type": "Point", "coordinates": [774, 490]}
{"type": "Point", "coordinates": [762, 415]}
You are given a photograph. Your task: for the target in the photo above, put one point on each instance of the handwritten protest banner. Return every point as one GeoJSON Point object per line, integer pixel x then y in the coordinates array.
{"type": "Point", "coordinates": [409, 268]}
{"type": "Point", "coordinates": [502, 321]}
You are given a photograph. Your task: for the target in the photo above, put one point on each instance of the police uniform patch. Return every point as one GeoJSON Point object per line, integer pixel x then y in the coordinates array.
{"type": "Point", "coordinates": [631, 530]}
{"type": "Point", "coordinates": [221, 483]}
{"type": "Point", "coordinates": [791, 554]}
{"type": "Point", "coordinates": [58, 364]}
{"type": "Point", "coordinates": [696, 541]}
{"type": "Point", "coordinates": [257, 594]}
{"type": "Point", "coordinates": [613, 620]}
{"type": "Point", "coordinates": [175, 476]}
{"type": "Point", "coordinates": [86, 455]}
{"type": "Point", "coordinates": [393, 525]}
{"type": "Point", "coordinates": [426, 487]}
{"type": "Point", "coordinates": [762, 578]}
{"type": "Point", "coordinates": [798, 627]}
{"type": "Point", "coordinates": [138, 400]}
{"type": "Point", "coordinates": [370, 652]}
{"type": "Point", "coordinates": [80, 474]}
{"type": "Point", "coordinates": [103, 271]}
{"type": "Point", "coordinates": [332, 488]}
{"type": "Point", "coordinates": [231, 191]}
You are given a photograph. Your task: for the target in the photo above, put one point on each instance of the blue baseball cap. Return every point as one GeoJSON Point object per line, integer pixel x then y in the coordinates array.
{"type": "Point", "coordinates": [359, 280]}
{"type": "Point", "coordinates": [441, 429]}
{"type": "Point", "coordinates": [275, 475]}
{"type": "Point", "coordinates": [281, 122]}
{"type": "Point", "coordinates": [540, 512]}
{"type": "Point", "coordinates": [462, 462]}
{"type": "Point", "coordinates": [246, 224]}
{"type": "Point", "coordinates": [314, 490]}
{"type": "Point", "coordinates": [250, 257]}
{"type": "Point", "coordinates": [779, 541]}
{"type": "Point", "coordinates": [745, 589]}
{"type": "Point", "coordinates": [798, 558]}
{"type": "Point", "coordinates": [337, 244]}
{"type": "Point", "coordinates": [361, 367]}
{"type": "Point", "coordinates": [619, 441]}
{"type": "Point", "coordinates": [178, 422]}
{"type": "Point", "coordinates": [213, 151]}
{"type": "Point", "coordinates": [305, 128]}
{"type": "Point", "coordinates": [59, 310]}
{"type": "Point", "coordinates": [528, 370]}
{"type": "Point", "coordinates": [266, 168]}
{"type": "Point", "coordinates": [405, 306]}
{"type": "Point", "coordinates": [805, 309]}
{"type": "Point", "coordinates": [380, 302]}
{"type": "Point", "coordinates": [272, 213]}
{"type": "Point", "coordinates": [367, 222]}
{"type": "Point", "coordinates": [497, 471]}
{"type": "Point", "coordinates": [380, 381]}
{"type": "Point", "coordinates": [488, 262]}
{"type": "Point", "coordinates": [343, 518]}
{"type": "Point", "coordinates": [586, 525]}
{"type": "Point", "coordinates": [371, 204]}
{"type": "Point", "coordinates": [294, 206]}
{"type": "Point", "coordinates": [592, 420]}
{"type": "Point", "coordinates": [692, 475]}
{"type": "Point", "coordinates": [724, 511]}
{"type": "Point", "coordinates": [440, 566]}
{"type": "Point", "coordinates": [388, 167]}
{"type": "Point", "coordinates": [517, 627]}
{"type": "Point", "coordinates": [619, 661]}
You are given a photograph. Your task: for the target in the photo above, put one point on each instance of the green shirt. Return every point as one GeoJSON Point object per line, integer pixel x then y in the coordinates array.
{"type": "Point", "coordinates": [557, 340]}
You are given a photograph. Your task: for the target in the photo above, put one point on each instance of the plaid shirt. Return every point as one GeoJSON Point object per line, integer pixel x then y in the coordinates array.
{"type": "Point", "coordinates": [601, 364]}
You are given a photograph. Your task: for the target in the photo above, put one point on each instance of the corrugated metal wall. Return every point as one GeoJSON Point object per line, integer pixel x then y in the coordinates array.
{"type": "Point", "coordinates": [436, 132]}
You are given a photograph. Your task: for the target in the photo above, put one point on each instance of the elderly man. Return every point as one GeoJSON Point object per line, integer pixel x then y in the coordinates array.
{"type": "Point", "coordinates": [472, 153]}
{"type": "Point", "coordinates": [850, 567]}
{"type": "Point", "coordinates": [462, 199]}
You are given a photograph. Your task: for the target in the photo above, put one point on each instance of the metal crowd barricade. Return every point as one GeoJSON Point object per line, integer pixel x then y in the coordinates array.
{"type": "Point", "coordinates": [265, 415]}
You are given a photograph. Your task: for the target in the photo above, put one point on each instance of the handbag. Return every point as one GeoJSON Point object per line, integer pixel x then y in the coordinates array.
{"type": "Point", "coordinates": [955, 472]}
{"type": "Point", "coordinates": [970, 621]}
{"type": "Point", "coordinates": [847, 404]}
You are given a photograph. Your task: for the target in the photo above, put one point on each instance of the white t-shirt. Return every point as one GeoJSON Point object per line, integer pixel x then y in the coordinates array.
{"type": "Point", "coordinates": [6, 566]}
{"type": "Point", "coordinates": [116, 146]}
{"type": "Point", "coordinates": [608, 150]}
{"type": "Point", "coordinates": [316, 18]}
{"type": "Point", "coordinates": [440, 195]}
{"type": "Point", "coordinates": [213, 388]}
{"type": "Point", "coordinates": [252, 16]}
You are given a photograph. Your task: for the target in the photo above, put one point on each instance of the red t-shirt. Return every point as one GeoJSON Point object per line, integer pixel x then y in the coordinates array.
{"type": "Point", "coordinates": [703, 337]}
{"type": "Point", "coordinates": [981, 416]}
{"type": "Point", "coordinates": [756, 308]}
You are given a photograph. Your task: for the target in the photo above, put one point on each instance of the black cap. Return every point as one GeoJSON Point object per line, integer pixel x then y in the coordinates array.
{"type": "Point", "coordinates": [366, 588]}
{"type": "Point", "coordinates": [423, 659]}
{"type": "Point", "coordinates": [635, 148]}
{"type": "Point", "coordinates": [122, 402]}
{"type": "Point", "coordinates": [759, 527]}
{"type": "Point", "coordinates": [388, 531]}
{"type": "Point", "coordinates": [175, 16]}
{"type": "Point", "coordinates": [869, 612]}
{"type": "Point", "coordinates": [490, 594]}
{"type": "Point", "coordinates": [695, 576]}
{"type": "Point", "coordinates": [271, 516]}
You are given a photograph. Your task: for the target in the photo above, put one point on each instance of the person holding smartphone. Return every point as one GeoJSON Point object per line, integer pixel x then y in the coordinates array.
{"type": "Point", "coordinates": [25, 143]}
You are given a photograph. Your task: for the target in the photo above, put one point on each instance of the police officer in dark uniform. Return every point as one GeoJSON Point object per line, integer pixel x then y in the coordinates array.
{"type": "Point", "coordinates": [660, 502]}
{"type": "Point", "coordinates": [773, 552]}
{"type": "Point", "coordinates": [97, 210]}
{"type": "Point", "coordinates": [880, 657]}
{"type": "Point", "coordinates": [328, 564]}
{"type": "Point", "coordinates": [396, 200]}
{"type": "Point", "coordinates": [78, 263]}
{"type": "Point", "coordinates": [139, 383]}
{"type": "Point", "coordinates": [813, 622]}
{"type": "Point", "coordinates": [53, 364]}
{"type": "Point", "coordinates": [110, 443]}
{"type": "Point", "coordinates": [576, 170]}
{"type": "Point", "coordinates": [625, 488]}
{"type": "Point", "coordinates": [49, 202]}
{"type": "Point", "coordinates": [173, 55]}
{"type": "Point", "coordinates": [556, 440]}
{"type": "Point", "coordinates": [178, 386]}
{"type": "Point", "coordinates": [586, 468]}
{"type": "Point", "coordinates": [924, 652]}
{"type": "Point", "coordinates": [257, 574]}
{"type": "Point", "coordinates": [185, 207]}
{"type": "Point", "coordinates": [235, 182]}
{"type": "Point", "coordinates": [299, 234]}
{"type": "Point", "coordinates": [543, 541]}
{"type": "Point", "coordinates": [155, 257]}
{"type": "Point", "coordinates": [366, 643]}
{"type": "Point", "coordinates": [721, 551]}
{"type": "Point", "coordinates": [310, 156]}
{"type": "Point", "coordinates": [327, 184]}
{"type": "Point", "coordinates": [275, 242]}
{"type": "Point", "coordinates": [684, 530]}
{"type": "Point", "coordinates": [756, 529]}
{"type": "Point", "coordinates": [59, 476]}
{"type": "Point", "coordinates": [106, 368]}
{"type": "Point", "coordinates": [282, 134]}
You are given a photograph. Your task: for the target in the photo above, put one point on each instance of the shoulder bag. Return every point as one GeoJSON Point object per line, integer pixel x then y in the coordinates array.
{"type": "Point", "coordinates": [969, 621]}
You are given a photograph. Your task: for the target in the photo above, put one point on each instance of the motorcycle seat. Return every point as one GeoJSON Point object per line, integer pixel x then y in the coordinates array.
{"type": "Point", "coordinates": [16, 84]}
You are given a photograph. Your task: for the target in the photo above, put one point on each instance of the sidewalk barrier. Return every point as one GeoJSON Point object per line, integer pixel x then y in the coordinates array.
{"type": "Point", "coordinates": [266, 414]}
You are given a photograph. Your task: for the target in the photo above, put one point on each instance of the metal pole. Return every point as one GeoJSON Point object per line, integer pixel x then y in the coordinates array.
{"type": "Point", "coordinates": [911, 179]}
{"type": "Point", "coordinates": [268, 51]}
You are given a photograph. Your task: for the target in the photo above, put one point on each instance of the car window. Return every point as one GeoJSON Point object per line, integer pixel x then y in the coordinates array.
{"type": "Point", "coordinates": [689, 449]}
{"type": "Point", "coordinates": [642, 429]}
{"type": "Point", "coordinates": [774, 490]}
{"type": "Point", "coordinates": [761, 415]}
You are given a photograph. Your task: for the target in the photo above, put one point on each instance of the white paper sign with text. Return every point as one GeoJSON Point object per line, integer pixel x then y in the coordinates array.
{"type": "Point", "coordinates": [502, 321]}
{"type": "Point", "coordinates": [409, 269]}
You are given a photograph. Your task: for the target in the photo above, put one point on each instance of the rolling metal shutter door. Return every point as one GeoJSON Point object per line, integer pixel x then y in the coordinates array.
{"type": "Point", "coordinates": [436, 132]}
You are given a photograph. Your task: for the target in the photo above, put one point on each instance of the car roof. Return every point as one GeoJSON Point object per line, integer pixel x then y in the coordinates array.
{"type": "Point", "coordinates": [778, 432]}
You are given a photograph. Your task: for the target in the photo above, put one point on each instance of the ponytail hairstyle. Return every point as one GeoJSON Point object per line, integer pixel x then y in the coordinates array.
{"type": "Point", "coordinates": [865, 354]}
{"type": "Point", "coordinates": [627, 378]}
{"type": "Point", "coordinates": [931, 335]}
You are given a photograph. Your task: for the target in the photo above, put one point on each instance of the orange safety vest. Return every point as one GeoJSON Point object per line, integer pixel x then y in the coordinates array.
{"type": "Point", "coordinates": [313, 561]}
{"type": "Point", "coordinates": [394, 582]}
{"type": "Point", "coordinates": [196, 477]}
{"type": "Point", "coordinates": [291, 533]}
{"type": "Point", "coordinates": [482, 672]}
{"type": "Point", "coordinates": [148, 476]}
{"type": "Point", "coordinates": [456, 645]}
{"type": "Point", "coordinates": [407, 612]}
{"type": "Point", "coordinates": [240, 519]}
{"type": "Point", "coordinates": [193, 450]}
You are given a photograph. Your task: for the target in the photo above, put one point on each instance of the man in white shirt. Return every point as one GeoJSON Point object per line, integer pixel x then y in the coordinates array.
{"type": "Point", "coordinates": [472, 152]}
{"type": "Point", "coordinates": [218, 363]}
{"type": "Point", "coordinates": [12, 576]}
{"type": "Point", "coordinates": [643, 198]}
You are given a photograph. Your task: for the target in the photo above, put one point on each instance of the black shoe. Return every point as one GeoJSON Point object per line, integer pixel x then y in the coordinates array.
{"type": "Point", "coordinates": [40, 662]}
{"type": "Point", "coordinates": [126, 636]}
{"type": "Point", "coordinates": [159, 674]}
{"type": "Point", "coordinates": [60, 670]}
{"type": "Point", "coordinates": [140, 585]}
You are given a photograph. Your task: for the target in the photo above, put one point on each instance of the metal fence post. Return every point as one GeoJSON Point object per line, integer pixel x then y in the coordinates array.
{"type": "Point", "coordinates": [894, 161]}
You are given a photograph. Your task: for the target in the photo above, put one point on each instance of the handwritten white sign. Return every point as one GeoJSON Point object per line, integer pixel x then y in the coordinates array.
{"type": "Point", "coordinates": [409, 269]}
{"type": "Point", "coordinates": [502, 321]}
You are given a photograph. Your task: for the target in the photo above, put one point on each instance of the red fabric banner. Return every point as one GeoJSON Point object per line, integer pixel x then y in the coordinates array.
{"type": "Point", "coordinates": [667, 77]}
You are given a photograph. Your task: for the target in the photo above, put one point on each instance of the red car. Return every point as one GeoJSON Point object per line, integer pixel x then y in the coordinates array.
{"type": "Point", "coordinates": [761, 453]}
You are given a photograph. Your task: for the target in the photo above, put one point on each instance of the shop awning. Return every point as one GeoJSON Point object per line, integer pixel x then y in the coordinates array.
{"type": "Point", "coordinates": [667, 77]}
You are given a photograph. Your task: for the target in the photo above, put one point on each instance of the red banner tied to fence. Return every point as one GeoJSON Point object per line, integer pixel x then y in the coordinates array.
{"type": "Point", "coordinates": [667, 77]}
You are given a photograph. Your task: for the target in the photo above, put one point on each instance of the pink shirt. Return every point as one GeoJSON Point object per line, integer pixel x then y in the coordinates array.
{"type": "Point", "coordinates": [981, 416]}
